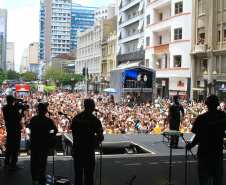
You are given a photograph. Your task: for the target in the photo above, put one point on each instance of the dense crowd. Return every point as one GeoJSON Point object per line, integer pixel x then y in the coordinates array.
{"type": "Point", "coordinates": [116, 118]}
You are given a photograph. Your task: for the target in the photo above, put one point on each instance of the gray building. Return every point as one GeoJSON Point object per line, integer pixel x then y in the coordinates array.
{"type": "Point", "coordinates": [3, 38]}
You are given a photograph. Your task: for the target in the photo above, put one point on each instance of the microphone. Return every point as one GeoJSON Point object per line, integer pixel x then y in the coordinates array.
{"type": "Point", "coordinates": [97, 110]}
{"type": "Point", "coordinates": [61, 113]}
{"type": "Point", "coordinates": [49, 113]}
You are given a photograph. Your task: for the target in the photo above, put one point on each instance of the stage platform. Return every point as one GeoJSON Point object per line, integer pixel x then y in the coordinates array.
{"type": "Point", "coordinates": [150, 168]}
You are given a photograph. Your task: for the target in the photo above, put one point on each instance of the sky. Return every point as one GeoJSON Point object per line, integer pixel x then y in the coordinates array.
{"type": "Point", "coordinates": [23, 22]}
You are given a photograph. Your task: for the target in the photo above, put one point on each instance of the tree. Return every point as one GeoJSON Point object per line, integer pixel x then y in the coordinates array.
{"type": "Point", "coordinates": [2, 76]}
{"type": "Point", "coordinates": [70, 79]}
{"type": "Point", "coordinates": [29, 76]}
{"type": "Point", "coordinates": [12, 75]}
{"type": "Point", "coordinates": [53, 74]}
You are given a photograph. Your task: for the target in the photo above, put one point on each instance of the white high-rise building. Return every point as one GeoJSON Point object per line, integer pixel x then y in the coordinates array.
{"type": "Point", "coordinates": [168, 45]}
{"type": "Point", "coordinates": [106, 12]}
{"type": "Point", "coordinates": [10, 56]}
{"type": "Point", "coordinates": [130, 30]}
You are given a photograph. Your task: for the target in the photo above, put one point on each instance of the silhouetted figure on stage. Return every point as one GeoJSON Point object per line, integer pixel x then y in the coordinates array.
{"type": "Point", "coordinates": [41, 141]}
{"type": "Point", "coordinates": [174, 119]}
{"type": "Point", "coordinates": [12, 117]}
{"type": "Point", "coordinates": [209, 129]}
{"type": "Point", "coordinates": [85, 128]}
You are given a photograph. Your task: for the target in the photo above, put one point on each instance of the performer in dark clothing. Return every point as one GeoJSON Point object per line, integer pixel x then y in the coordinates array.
{"type": "Point", "coordinates": [12, 117]}
{"type": "Point", "coordinates": [209, 129]}
{"type": "Point", "coordinates": [85, 128]}
{"type": "Point", "coordinates": [41, 138]}
{"type": "Point", "coordinates": [174, 119]}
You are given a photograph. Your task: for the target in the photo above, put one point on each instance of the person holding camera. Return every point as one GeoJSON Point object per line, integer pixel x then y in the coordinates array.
{"type": "Point", "coordinates": [40, 141]}
{"type": "Point", "coordinates": [84, 127]}
{"type": "Point", "coordinates": [209, 129]}
{"type": "Point", "coordinates": [12, 117]}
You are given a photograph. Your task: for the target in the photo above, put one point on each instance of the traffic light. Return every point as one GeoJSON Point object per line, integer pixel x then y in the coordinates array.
{"type": "Point", "coordinates": [84, 71]}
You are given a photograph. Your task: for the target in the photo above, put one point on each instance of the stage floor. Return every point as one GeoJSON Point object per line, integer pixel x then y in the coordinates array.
{"type": "Point", "coordinates": [151, 168]}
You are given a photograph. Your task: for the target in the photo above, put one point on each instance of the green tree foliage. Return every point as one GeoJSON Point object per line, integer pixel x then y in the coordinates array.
{"type": "Point", "coordinates": [2, 76]}
{"type": "Point", "coordinates": [66, 79]}
{"type": "Point", "coordinates": [53, 74]}
{"type": "Point", "coordinates": [29, 76]}
{"type": "Point", "coordinates": [12, 75]}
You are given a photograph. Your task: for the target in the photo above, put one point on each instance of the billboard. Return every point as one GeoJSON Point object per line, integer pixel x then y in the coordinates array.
{"type": "Point", "coordinates": [34, 68]}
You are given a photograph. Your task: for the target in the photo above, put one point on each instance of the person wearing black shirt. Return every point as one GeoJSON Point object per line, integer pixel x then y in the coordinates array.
{"type": "Point", "coordinates": [12, 117]}
{"type": "Point", "coordinates": [41, 138]}
{"type": "Point", "coordinates": [174, 119]}
{"type": "Point", "coordinates": [209, 129]}
{"type": "Point", "coordinates": [85, 128]}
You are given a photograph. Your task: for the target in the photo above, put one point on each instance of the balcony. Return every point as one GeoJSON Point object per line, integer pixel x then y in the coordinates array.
{"type": "Point", "coordinates": [129, 5]}
{"type": "Point", "coordinates": [161, 48]}
{"type": "Point", "coordinates": [131, 21]}
{"type": "Point", "coordinates": [173, 72]}
{"type": "Point", "coordinates": [139, 55]}
{"type": "Point", "coordinates": [198, 48]}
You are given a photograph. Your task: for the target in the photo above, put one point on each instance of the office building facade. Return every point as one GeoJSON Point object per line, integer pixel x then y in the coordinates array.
{"type": "Point", "coordinates": [208, 49]}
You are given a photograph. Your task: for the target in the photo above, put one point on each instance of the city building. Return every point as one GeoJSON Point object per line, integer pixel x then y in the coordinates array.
{"type": "Point", "coordinates": [3, 38]}
{"type": "Point", "coordinates": [25, 61]}
{"type": "Point", "coordinates": [89, 50]}
{"type": "Point", "coordinates": [62, 62]}
{"type": "Point", "coordinates": [106, 12]}
{"type": "Point", "coordinates": [130, 32]}
{"type": "Point", "coordinates": [55, 28]}
{"type": "Point", "coordinates": [82, 18]}
{"type": "Point", "coordinates": [33, 57]}
{"type": "Point", "coordinates": [109, 48]}
{"type": "Point", "coordinates": [10, 56]}
{"type": "Point", "coordinates": [168, 44]}
{"type": "Point", "coordinates": [208, 49]}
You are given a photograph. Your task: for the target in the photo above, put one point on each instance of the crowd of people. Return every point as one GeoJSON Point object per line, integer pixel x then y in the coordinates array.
{"type": "Point", "coordinates": [116, 118]}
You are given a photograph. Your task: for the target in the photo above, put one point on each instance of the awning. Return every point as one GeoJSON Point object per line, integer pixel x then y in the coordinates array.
{"type": "Point", "coordinates": [129, 64]}
{"type": "Point", "coordinates": [119, 33]}
{"type": "Point", "coordinates": [120, 3]}
{"type": "Point", "coordinates": [140, 44]}
{"type": "Point", "coordinates": [197, 89]}
{"type": "Point", "coordinates": [120, 19]}
{"type": "Point", "coordinates": [119, 50]}
{"type": "Point", "coordinates": [141, 23]}
{"type": "Point", "coordinates": [141, 7]}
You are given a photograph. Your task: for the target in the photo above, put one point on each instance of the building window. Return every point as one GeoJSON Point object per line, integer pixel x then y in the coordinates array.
{"type": "Point", "coordinates": [147, 41]}
{"type": "Point", "coordinates": [128, 49]}
{"type": "Point", "coordinates": [219, 33]}
{"type": "Point", "coordinates": [178, 34]}
{"type": "Point", "coordinates": [178, 7]}
{"type": "Point", "coordinates": [204, 65]}
{"type": "Point", "coordinates": [102, 12]}
{"type": "Point", "coordinates": [218, 64]}
{"type": "Point", "coordinates": [202, 7]}
{"type": "Point", "coordinates": [219, 5]}
{"type": "Point", "coordinates": [201, 36]}
{"type": "Point", "coordinates": [160, 16]}
{"type": "Point", "coordinates": [134, 14]}
{"type": "Point", "coordinates": [106, 11]}
{"type": "Point", "coordinates": [134, 30]}
{"type": "Point", "coordinates": [148, 19]}
{"type": "Point", "coordinates": [129, 16]}
{"type": "Point", "coordinates": [129, 33]}
{"type": "Point", "coordinates": [160, 39]}
{"type": "Point", "coordinates": [147, 63]}
{"type": "Point", "coordinates": [177, 61]}
{"type": "Point", "coordinates": [223, 65]}
{"type": "Point", "coordinates": [224, 33]}
{"type": "Point", "coordinates": [224, 4]}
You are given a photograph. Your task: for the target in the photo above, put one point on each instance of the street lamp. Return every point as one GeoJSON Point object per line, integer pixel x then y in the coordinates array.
{"type": "Point", "coordinates": [141, 84]}
{"type": "Point", "coordinates": [210, 85]}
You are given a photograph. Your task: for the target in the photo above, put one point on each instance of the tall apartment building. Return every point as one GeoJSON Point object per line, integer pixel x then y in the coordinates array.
{"type": "Point", "coordinates": [82, 18]}
{"type": "Point", "coordinates": [208, 48]}
{"type": "Point", "coordinates": [130, 30]}
{"type": "Point", "coordinates": [3, 38]}
{"type": "Point", "coordinates": [10, 56]}
{"type": "Point", "coordinates": [167, 45]}
{"type": "Point", "coordinates": [55, 28]}
{"type": "Point", "coordinates": [25, 61]}
{"type": "Point", "coordinates": [106, 12]}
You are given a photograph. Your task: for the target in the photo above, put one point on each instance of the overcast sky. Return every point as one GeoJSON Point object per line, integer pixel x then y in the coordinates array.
{"type": "Point", "coordinates": [23, 22]}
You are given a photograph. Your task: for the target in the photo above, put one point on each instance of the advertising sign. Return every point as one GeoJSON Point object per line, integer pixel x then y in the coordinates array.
{"type": "Point", "coordinates": [40, 88]}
